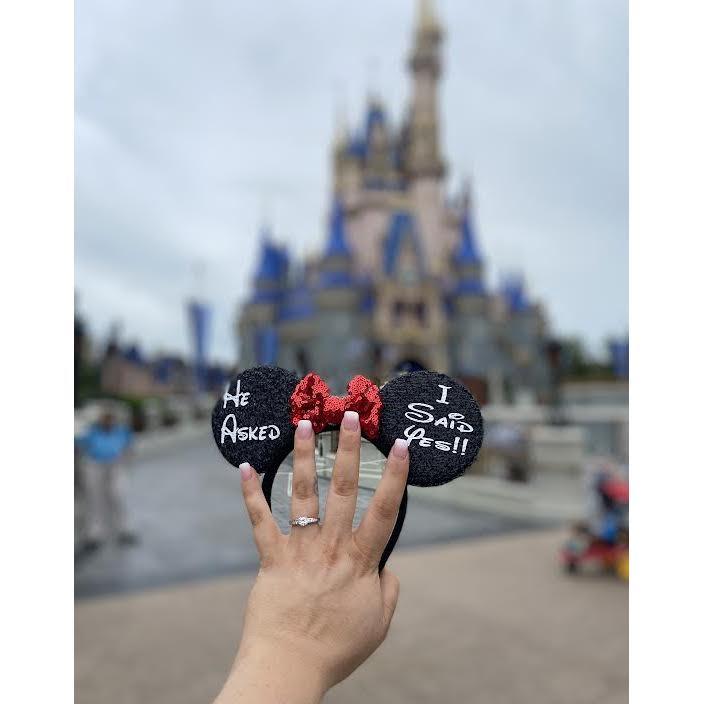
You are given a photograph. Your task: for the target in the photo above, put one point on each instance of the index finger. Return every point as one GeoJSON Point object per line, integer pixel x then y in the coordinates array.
{"type": "Point", "coordinates": [378, 521]}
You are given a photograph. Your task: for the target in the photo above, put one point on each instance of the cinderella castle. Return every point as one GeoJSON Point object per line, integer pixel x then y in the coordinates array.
{"type": "Point", "coordinates": [399, 283]}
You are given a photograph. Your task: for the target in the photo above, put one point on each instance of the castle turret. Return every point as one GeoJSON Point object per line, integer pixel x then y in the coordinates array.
{"type": "Point", "coordinates": [338, 346]}
{"type": "Point", "coordinates": [409, 320]}
{"type": "Point", "coordinates": [271, 272]}
{"type": "Point", "coordinates": [474, 353]}
{"type": "Point", "coordinates": [379, 172]}
{"type": "Point", "coordinates": [346, 161]}
{"type": "Point", "coordinates": [425, 158]}
{"type": "Point", "coordinates": [424, 165]}
{"type": "Point", "coordinates": [468, 263]}
{"type": "Point", "coordinates": [257, 331]}
{"type": "Point", "coordinates": [297, 323]}
{"type": "Point", "coordinates": [525, 328]}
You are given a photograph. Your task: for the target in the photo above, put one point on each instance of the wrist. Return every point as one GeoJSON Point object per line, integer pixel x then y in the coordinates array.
{"type": "Point", "coordinates": [273, 674]}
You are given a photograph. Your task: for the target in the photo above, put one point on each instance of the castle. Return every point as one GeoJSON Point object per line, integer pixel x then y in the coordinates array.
{"type": "Point", "coordinates": [400, 282]}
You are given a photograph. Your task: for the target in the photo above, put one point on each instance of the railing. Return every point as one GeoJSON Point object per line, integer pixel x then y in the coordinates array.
{"type": "Point", "coordinates": [605, 426]}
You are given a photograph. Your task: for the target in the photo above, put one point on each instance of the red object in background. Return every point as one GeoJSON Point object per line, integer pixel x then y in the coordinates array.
{"type": "Point", "coordinates": [597, 551]}
{"type": "Point", "coordinates": [616, 489]}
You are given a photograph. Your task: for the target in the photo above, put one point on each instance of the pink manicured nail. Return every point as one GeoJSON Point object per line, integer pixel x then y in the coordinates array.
{"type": "Point", "coordinates": [400, 449]}
{"type": "Point", "coordinates": [246, 471]}
{"type": "Point", "coordinates": [350, 421]}
{"type": "Point", "coordinates": [304, 429]}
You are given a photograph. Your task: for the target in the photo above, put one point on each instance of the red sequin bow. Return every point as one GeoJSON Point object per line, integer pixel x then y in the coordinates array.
{"type": "Point", "coordinates": [311, 400]}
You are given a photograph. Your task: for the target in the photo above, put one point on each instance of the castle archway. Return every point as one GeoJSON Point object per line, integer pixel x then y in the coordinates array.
{"type": "Point", "coordinates": [409, 364]}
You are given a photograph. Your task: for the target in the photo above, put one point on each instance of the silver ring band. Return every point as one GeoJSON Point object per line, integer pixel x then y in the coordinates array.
{"type": "Point", "coordinates": [303, 521]}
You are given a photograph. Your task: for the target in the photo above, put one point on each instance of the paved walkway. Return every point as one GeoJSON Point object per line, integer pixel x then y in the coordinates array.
{"type": "Point", "coordinates": [479, 622]}
{"type": "Point", "coordinates": [186, 504]}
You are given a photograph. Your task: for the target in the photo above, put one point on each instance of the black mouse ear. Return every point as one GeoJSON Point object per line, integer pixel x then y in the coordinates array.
{"type": "Point", "coordinates": [252, 419]}
{"type": "Point", "coordinates": [441, 421]}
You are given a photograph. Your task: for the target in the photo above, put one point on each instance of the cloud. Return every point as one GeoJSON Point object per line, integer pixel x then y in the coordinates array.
{"type": "Point", "coordinates": [194, 119]}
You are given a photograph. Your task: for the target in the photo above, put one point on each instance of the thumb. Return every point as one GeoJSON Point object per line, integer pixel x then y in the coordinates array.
{"type": "Point", "coordinates": [389, 595]}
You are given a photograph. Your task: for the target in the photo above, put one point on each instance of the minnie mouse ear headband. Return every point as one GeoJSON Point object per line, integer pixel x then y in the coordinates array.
{"type": "Point", "coordinates": [255, 420]}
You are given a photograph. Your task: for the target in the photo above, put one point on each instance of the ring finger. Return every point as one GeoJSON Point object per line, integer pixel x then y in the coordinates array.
{"type": "Point", "coordinates": [304, 494]}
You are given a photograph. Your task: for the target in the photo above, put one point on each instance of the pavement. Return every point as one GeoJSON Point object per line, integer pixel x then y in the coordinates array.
{"type": "Point", "coordinates": [485, 613]}
{"type": "Point", "coordinates": [491, 621]}
{"type": "Point", "coordinates": [185, 503]}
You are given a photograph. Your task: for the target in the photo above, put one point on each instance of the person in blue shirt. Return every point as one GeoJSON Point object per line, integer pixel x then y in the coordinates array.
{"type": "Point", "coordinates": [104, 447]}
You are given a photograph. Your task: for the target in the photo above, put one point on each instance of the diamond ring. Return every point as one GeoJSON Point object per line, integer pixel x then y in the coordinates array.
{"type": "Point", "coordinates": [303, 521]}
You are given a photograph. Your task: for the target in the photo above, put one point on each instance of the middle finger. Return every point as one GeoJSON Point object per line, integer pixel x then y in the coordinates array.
{"type": "Point", "coordinates": [342, 495]}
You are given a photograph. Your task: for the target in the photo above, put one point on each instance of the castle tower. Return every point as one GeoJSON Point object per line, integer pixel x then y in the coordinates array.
{"type": "Point", "coordinates": [347, 154]}
{"type": "Point", "coordinates": [409, 320]}
{"type": "Point", "coordinates": [424, 163]}
{"type": "Point", "coordinates": [338, 349]}
{"type": "Point", "coordinates": [525, 330]}
{"type": "Point", "coordinates": [424, 160]}
{"type": "Point", "coordinates": [257, 332]}
{"type": "Point", "coordinates": [472, 347]}
{"type": "Point", "coordinates": [378, 167]}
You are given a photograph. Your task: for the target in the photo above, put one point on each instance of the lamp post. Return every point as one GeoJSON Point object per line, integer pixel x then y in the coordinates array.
{"type": "Point", "coordinates": [553, 351]}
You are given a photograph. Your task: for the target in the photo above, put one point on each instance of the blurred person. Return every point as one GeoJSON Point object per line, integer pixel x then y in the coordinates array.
{"type": "Point", "coordinates": [79, 349]}
{"type": "Point", "coordinates": [319, 606]}
{"type": "Point", "coordinates": [603, 537]}
{"type": "Point", "coordinates": [104, 448]}
{"type": "Point", "coordinates": [78, 488]}
{"type": "Point", "coordinates": [607, 499]}
{"type": "Point", "coordinates": [510, 442]}
{"type": "Point", "coordinates": [612, 494]}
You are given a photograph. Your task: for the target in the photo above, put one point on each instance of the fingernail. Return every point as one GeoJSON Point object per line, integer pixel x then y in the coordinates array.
{"type": "Point", "coordinates": [304, 429]}
{"type": "Point", "coordinates": [350, 421]}
{"type": "Point", "coordinates": [246, 471]}
{"type": "Point", "coordinates": [400, 449]}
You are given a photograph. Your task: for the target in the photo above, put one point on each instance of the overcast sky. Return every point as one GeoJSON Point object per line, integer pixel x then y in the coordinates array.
{"type": "Point", "coordinates": [195, 120]}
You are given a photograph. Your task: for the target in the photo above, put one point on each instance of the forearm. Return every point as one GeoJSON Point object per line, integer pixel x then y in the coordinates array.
{"type": "Point", "coordinates": [261, 676]}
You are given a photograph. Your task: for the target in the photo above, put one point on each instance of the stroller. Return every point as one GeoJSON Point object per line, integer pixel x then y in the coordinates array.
{"type": "Point", "coordinates": [607, 546]}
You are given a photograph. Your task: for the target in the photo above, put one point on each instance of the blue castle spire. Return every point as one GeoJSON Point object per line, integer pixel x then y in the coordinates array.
{"type": "Point", "coordinates": [273, 261]}
{"type": "Point", "coordinates": [514, 294]}
{"type": "Point", "coordinates": [298, 303]}
{"type": "Point", "coordinates": [375, 116]}
{"type": "Point", "coordinates": [468, 260]}
{"type": "Point", "coordinates": [357, 146]}
{"type": "Point", "coordinates": [467, 251]}
{"type": "Point", "coordinates": [271, 271]}
{"type": "Point", "coordinates": [360, 140]}
{"type": "Point", "coordinates": [336, 264]}
{"type": "Point", "coordinates": [402, 229]}
{"type": "Point", "coordinates": [337, 240]}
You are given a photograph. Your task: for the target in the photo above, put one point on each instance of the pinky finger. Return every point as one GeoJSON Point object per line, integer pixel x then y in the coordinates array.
{"type": "Point", "coordinates": [266, 533]}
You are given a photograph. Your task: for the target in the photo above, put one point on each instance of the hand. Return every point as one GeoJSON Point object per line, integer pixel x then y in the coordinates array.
{"type": "Point", "coordinates": [319, 607]}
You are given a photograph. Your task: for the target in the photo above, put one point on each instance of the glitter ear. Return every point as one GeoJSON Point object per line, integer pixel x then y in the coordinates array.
{"type": "Point", "coordinates": [252, 419]}
{"type": "Point", "coordinates": [441, 421]}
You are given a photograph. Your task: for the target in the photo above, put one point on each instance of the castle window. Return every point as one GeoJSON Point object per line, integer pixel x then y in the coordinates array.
{"type": "Point", "coordinates": [409, 275]}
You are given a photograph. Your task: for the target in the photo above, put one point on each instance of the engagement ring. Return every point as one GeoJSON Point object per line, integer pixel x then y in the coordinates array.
{"type": "Point", "coordinates": [303, 521]}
